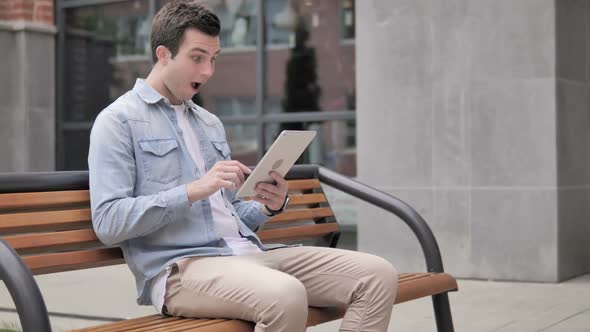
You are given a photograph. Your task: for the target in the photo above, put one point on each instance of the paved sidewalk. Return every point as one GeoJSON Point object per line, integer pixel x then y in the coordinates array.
{"type": "Point", "coordinates": [484, 306]}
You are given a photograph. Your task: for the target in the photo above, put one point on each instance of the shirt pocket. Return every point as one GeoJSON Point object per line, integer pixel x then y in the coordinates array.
{"type": "Point", "coordinates": [160, 159]}
{"type": "Point", "coordinates": [223, 150]}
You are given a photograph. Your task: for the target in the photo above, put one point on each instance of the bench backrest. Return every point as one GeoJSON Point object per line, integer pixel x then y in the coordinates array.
{"type": "Point", "coordinates": [52, 230]}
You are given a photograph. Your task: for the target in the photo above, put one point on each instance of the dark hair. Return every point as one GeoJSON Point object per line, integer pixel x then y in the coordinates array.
{"type": "Point", "coordinates": [175, 17]}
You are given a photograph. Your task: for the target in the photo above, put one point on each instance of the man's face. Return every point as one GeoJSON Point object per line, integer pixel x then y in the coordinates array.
{"type": "Point", "coordinates": [192, 66]}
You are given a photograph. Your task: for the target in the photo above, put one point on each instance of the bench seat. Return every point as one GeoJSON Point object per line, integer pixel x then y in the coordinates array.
{"type": "Point", "coordinates": [411, 286]}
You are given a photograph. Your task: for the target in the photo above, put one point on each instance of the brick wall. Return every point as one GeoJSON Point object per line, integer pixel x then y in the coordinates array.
{"type": "Point", "coordinates": [40, 11]}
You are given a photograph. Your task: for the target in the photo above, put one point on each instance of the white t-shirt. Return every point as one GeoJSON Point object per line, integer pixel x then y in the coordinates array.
{"type": "Point", "coordinates": [226, 225]}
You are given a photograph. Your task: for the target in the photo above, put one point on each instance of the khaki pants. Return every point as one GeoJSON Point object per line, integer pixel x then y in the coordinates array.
{"type": "Point", "coordinates": [274, 288]}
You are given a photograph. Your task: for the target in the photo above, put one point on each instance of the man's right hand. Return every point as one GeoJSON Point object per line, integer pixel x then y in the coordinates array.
{"type": "Point", "coordinates": [229, 174]}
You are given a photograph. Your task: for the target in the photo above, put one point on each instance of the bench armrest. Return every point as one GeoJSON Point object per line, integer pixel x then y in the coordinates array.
{"type": "Point", "coordinates": [401, 209]}
{"type": "Point", "coordinates": [24, 291]}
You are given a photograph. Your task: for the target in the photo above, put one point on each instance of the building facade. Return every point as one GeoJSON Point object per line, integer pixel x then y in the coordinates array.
{"type": "Point", "coordinates": [475, 112]}
{"type": "Point", "coordinates": [480, 112]}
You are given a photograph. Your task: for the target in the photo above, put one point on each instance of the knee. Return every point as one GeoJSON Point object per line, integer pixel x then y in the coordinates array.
{"type": "Point", "coordinates": [382, 273]}
{"type": "Point", "coordinates": [287, 296]}
{"type": "Point", "coordinates": [291, 293]}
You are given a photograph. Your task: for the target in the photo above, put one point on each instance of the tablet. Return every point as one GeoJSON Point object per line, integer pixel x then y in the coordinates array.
{"type": "Point", "coordinates": [280, 157]}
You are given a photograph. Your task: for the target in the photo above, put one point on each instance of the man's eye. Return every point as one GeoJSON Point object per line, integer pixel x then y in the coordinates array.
{"type": "Point", "coordinates": [197, 59]}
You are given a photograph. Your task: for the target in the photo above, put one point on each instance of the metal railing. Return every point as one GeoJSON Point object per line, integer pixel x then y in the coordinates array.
{"type": "Point", "coordinates": [24, 291]}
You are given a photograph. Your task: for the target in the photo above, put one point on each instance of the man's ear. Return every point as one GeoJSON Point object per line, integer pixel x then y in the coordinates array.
{"type": "Point", "coordinates": [163, 54]}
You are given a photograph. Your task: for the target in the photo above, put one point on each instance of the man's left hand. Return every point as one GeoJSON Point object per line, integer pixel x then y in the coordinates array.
{"type": "Point", "coordinates": [272, 195]}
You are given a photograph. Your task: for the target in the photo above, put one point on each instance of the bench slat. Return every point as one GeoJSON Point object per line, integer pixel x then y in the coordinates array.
{"type": "Point", "coordinates": [54, 240]}
{"type": "Point", "coordinates": [298, 232]}
{"type": "Point", "coordinates": [304, 214]}
{"type": "Point", "coordinates": [40, 221]}
{"type": "Point", "coordinates": [51, 240]}
{"type": "Point", "coordinates": [233, 325]}
{"type": "Point", "coordinates": [47, 199]}
{"type": "Point", "coordinates": [81, 218]}
{"type": "Point", "coordinates": [304, 199]}
{"type": "Point", "coordinates": [304, 184]}
{"type": "Point", "coordinates": [157, 323]}
{"type": "Point", "coordinates": [424, 284]}
{"type": "Point", "coordinates": [184, 327]}
{"type": "Point", "coordinates": [175, 326]}
{"type": "Point", "coordinates": [119, 326]}
{"type": "Point", "coordinates": [413, 276]}
{"type": "Point", "coordinates": [148, 326]}
{"type": "Point", "coordinates": [67, 261]}
{"type": "Point", "coordinates": [56, 262]}
{"type": "Point", "coordinates": [43, 199]}
{"type": "Point", "coordinates": [307, 199]}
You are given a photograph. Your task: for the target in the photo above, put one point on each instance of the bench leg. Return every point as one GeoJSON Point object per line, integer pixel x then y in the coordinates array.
{"type": "Point", "coordinates": [442, 313]}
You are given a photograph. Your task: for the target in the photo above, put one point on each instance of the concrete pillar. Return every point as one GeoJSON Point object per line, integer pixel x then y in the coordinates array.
{"type": "Point", "coordinates": [27, 86]}
{"type": "Point", "coordinates": [476, 113]}
{"type": "Point", "coordinates": [573, 136]}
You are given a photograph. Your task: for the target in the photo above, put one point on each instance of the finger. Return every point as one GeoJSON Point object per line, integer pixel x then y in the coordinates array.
{"type": "Point", "coordinates": [233, 177]}
{"type": "Point", "coordinates": [239, 172]}
{"type": "Point", "coordinates": [279, 179]}
{"type": "Point", "coordinates": [245, 169]}
{"type": "Point", "coordinates": [227, 180]}
{"type": "Point", "coordinates": [227, 184]}
{"type": "Point", "coordinates": [269, 187]}
{"type": "Point", "coordinates": [224, 163]}
{"type": "Point", "coordinates": [234, 170]}
{"type": "Point", "coordinates": [264, 201]}
{"type": "Point", "coordinates": [269, 195]}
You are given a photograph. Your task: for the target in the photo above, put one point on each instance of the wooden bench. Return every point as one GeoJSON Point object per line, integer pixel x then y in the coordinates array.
{"type": "Point", "coordinates": [45, 226]}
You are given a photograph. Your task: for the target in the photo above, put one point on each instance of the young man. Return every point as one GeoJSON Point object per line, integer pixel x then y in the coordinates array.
{"type": "Point", "coordinates": [162, 188]}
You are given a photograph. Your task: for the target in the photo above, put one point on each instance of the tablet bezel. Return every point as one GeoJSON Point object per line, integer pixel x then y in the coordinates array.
{"type": "Point", "coordinates": [290, 145]}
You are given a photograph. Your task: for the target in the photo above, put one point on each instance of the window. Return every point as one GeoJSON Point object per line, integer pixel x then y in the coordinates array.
{"type": "Point", "coordinates": [278, 21]}
{"type": "Point", "coordinates": [308, 72]}
{"type": "Point", "coordinates": [125, 24]}
{"type": "Point", "coordinates": [232, 106]}
{"type": "Point", "coordinates": [238, 23]}
{"type": "Point", "coordinates": [347, 19]}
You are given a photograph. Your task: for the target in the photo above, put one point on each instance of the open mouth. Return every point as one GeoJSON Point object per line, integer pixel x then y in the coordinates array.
{"type": "Point", "coordinates": [195, 85]}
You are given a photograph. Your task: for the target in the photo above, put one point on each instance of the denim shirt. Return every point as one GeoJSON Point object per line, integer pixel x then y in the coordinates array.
{"type": "Point", "coordinates": [139, 167]}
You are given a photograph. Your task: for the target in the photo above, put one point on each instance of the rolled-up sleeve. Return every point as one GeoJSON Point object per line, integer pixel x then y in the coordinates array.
{"type": "Point", "coordinates": [116, 214]}
{"type": "Point", "coordinates": [250, 212]}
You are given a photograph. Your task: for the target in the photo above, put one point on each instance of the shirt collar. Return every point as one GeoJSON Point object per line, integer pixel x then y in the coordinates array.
{"type": "Point", "coordinates": [151, 96]}
{"type": "Point", "coordinates": [191, 105]}
{"type": "Point", "coordinates": [146, 92]}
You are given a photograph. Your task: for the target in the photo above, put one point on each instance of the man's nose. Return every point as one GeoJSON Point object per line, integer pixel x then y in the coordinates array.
{"type": "Point", "coordinates": [208, 70]}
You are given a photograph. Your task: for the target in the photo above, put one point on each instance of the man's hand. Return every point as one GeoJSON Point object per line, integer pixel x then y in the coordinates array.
{"type": "Point", "coordinates": [272, 195]}
{"type": "Point", "coordinates": [227, 174]}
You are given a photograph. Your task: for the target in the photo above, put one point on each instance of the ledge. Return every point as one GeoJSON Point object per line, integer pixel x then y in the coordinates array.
{"type": "Point", "coordinates": [27, 26]}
